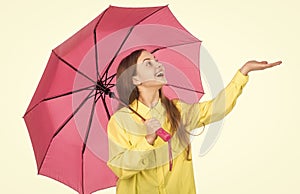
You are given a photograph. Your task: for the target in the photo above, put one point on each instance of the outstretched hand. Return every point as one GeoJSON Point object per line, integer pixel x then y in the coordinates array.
{"type": "Point", "coordinates": [255, 65]}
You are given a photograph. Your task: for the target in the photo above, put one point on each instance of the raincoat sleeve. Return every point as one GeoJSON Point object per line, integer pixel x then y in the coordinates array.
{"type": "Point", "coordinates": [125, 157]}
{"type": "Point", "coordinates": [203, 113]}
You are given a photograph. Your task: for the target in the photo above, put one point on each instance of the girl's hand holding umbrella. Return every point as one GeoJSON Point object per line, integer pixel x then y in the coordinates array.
{"type": "Point", "coordinates": [255, 65]}
{"type": "Point", "coordinates": [152, 125]}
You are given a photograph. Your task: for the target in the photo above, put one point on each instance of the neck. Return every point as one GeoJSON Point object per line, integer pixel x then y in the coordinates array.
{"type": "Point", "coordinates": [149, 97]}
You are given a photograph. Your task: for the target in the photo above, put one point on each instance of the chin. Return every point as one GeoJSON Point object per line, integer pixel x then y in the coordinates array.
{"type": "Point", "coordinates": [161, 83]}
{"type": "Point", "coordinates": [154, 83]}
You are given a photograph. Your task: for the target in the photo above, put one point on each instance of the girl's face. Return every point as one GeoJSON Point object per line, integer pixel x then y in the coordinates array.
{"type": "Point", "coordinates": [149, 71]}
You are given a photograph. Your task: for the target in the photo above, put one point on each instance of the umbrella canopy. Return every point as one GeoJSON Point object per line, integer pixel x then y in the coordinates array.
{"type": "Point", "coordinates": [69, 112]}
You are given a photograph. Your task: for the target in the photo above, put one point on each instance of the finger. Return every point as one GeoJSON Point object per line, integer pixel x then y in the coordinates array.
{"type": "Point", "coordinates": [153, 120]}
{"type": "Point", "coordinates": [149, 121]}
{"type": "Point", "coordinates": [269, 65]}
{"type": "Point", "coordinates": [275, 63]}
{"type": "Point", "coordinates": [152, 123]}
{"type": "Point", "coordinates": [156, 124]}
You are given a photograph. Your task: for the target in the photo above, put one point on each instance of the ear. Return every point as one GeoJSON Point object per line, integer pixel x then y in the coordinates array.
{"type": "Point", "coordinates": [136, 81]}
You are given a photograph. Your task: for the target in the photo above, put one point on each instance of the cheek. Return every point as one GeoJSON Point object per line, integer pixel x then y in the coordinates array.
{"type": "Point", "coordinates": [145, 73]}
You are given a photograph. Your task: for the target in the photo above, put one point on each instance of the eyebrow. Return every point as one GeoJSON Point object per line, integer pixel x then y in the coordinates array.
{"type": "Point", "coordinates": [146, 59]}
{"type": "Point", "coordinates": [149, 59]}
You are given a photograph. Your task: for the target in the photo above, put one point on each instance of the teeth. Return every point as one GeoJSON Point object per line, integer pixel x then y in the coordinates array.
{"type": "Point", "coordinates": [159, 74]}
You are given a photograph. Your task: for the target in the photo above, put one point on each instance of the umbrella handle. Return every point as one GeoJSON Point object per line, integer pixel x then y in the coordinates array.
{"type": "Point", "coordinates": [163, 134]}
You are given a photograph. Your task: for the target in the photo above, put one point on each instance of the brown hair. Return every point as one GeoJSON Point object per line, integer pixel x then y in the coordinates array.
{"type": "Point", "coordinates": [128, 92]}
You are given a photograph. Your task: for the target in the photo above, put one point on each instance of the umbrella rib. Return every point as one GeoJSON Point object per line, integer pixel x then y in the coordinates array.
{"type": "Point", "coordinates": [126, 105]}
{"type": "Point", "coordinates": [68, 93]}
{"type": "Point", "coordinates": [81, 73]}
{"type": "Point", "coordinates": [110, 85]}
{"type": "Point", "coordinates": [164, 47]}
{"type": "Point", "coordinates": [123, 42]}
{"type": "Point", "coordinates": [105, 106]}
{"type": "Point", "coordinates": [183, 88]}
{"type": "Point", "coordinates": [86, 137]}
{"type": "Point", "coordinates": [109, 79]}
{"type": "Point", "coordinates": [96, 54]}
{"type": "Point", "coordinates": [73, 114]}
{"type": "Point", "coordinates": [101, 93]}
{"type": "Point", "coordinates": [89, 124]}
{"type": "Point", "coordinates": [64, 123]}
{"type": "Point", "coordinates": [116, 54]}
{"type": "Point", "coordinates": [82, 184]}
{"type": "Point", "coordinates": [57, 96]}
{"type": "Point", "coordinates": [95, 43]}
{"type": "Point", "coordinates": [72, 67]}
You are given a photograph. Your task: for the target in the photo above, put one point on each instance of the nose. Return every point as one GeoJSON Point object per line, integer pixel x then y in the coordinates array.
{"type": "Point", "coordinates": [159, 65]}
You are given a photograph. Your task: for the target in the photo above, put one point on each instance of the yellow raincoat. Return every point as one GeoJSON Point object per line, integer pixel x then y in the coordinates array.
{"type": "Point", "coordinates": [143, 168]}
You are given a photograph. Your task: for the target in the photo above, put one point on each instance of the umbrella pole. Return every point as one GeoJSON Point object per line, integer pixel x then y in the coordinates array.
{"type": "Point", "coordinates": [112, 95]}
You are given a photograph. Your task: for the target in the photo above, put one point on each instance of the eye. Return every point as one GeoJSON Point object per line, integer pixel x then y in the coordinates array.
{"type": "Point", "coordinates": [148, 63]}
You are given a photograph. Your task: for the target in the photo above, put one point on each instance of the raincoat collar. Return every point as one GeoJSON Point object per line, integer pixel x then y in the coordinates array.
{"type": "Point", "coordinates": [144, 110]}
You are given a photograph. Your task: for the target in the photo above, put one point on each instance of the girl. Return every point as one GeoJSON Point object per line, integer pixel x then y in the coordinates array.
{"type": "Point", "coordinates": [138, 156]}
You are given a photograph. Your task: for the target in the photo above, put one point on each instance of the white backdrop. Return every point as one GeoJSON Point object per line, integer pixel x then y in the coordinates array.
{"type": "Point", "coordinates": [258, 150]}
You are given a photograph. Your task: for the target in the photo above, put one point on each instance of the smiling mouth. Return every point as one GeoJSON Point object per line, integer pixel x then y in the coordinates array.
{"type": "Point", "coordinates": [159, 74]}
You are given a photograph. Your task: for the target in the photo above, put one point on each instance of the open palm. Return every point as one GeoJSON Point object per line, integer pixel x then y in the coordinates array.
{"type": "Point", "coordinates": [256, 65]}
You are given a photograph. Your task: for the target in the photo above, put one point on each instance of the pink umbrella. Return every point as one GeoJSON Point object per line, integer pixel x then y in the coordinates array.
{"type": "Point", "coordinates": [68, 114]}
